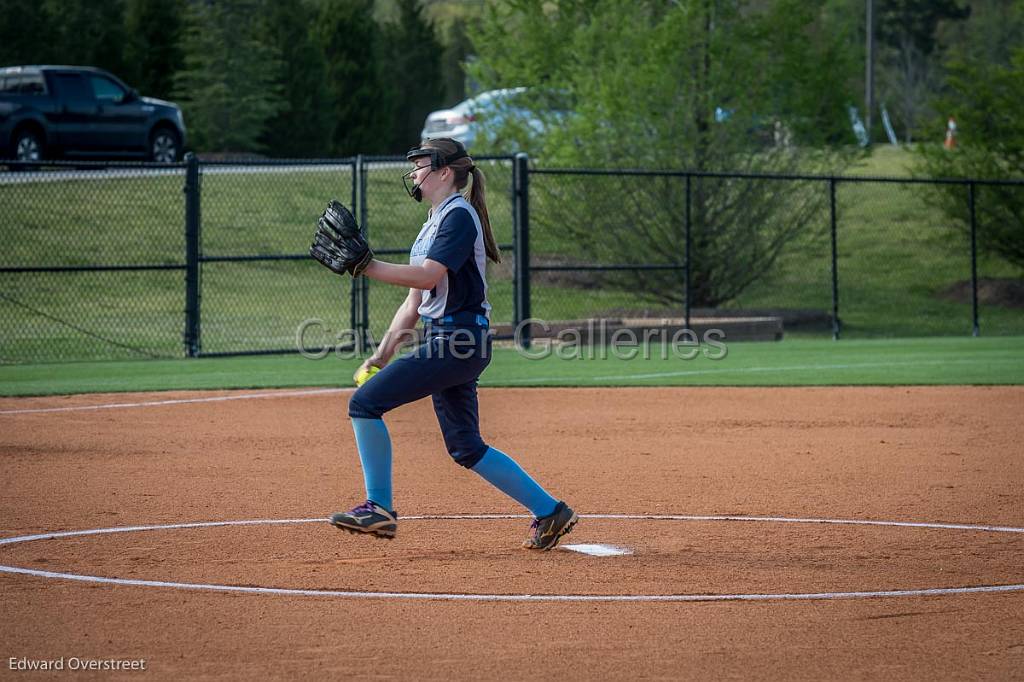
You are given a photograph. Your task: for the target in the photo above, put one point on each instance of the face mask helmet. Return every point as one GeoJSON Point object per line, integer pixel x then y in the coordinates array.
{"type": "Point", "coordinates": [437, 161]}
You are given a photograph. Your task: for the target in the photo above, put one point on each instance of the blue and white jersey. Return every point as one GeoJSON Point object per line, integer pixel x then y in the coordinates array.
{"type": "Point", "coordinates": [453, 237]}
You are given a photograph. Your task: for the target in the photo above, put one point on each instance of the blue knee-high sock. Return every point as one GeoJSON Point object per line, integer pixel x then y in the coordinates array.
{"type": "Point", "coordinates": [374, 445]}
{"type": "Point", "coordinates": [506, 475]}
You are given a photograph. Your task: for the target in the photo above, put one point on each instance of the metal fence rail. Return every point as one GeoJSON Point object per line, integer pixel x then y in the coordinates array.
{"type": "Point", "coordinates": [111, 261]}
{"type": "Point", "coordinates": [847, 250]}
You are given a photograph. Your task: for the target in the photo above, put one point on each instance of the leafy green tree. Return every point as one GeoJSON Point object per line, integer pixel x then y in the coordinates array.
{"type": "Point", "coordinates": [302, 127]}
{"type": "Point", "coordinates": [410, 74]}
{"type": "Point", "coordinates": [704, 85]}
{"type": "Point", "coordinates": [985, 97]}
{"type": "Point", "coordinates": [348, 38]}
{"type": "Point", "coordinates": [152, 47]}
{"type": "Point", "coordinates": [808, 67]}
{"type": "Point", "coordinates": [228, 87]}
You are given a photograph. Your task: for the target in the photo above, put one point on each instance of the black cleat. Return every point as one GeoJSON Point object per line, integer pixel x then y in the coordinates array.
{"type": "Point", "coordinates": [547, 530]}
{"type": "Point", "coordinates": [369, 518]}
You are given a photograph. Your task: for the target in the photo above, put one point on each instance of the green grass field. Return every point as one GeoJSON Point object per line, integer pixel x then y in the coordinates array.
{"type": "Point", "coordinates": [896, 257]}
{"type": "Point", "coordinates": [789, 363]}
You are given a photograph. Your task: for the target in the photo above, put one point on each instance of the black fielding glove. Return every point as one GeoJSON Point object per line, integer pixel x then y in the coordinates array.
{"type": "Point", "coordinates": [338, 243]}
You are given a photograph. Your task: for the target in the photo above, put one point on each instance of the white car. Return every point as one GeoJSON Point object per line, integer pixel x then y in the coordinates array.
{"type": "Point", "coordinates": [479, 117]}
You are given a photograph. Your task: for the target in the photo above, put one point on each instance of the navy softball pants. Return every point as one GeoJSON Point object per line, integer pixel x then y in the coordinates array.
{"type": "Point", "coordinates": [446, 367]}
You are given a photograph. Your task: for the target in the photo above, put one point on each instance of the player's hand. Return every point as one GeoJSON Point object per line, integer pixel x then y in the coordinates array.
{"type": "Point", "coordinates": [365, 371]}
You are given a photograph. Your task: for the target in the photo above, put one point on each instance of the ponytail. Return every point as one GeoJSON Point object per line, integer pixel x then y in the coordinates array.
{"type": "Point", "coordinates": [477, 199]}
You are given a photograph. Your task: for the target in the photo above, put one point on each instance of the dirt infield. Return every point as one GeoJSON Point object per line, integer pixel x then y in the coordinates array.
{"type": "Point", "coordinates": [950, 456]}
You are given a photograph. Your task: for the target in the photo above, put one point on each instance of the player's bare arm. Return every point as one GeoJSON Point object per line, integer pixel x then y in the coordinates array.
{"type": "Point", "coordinates": [424, 276]}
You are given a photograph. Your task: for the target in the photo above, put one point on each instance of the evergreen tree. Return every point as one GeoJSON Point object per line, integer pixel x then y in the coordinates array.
{"type": "Point", "coordinates": [348, 38]}
{"type": "Point", "coordinates": [26, 33]}
{"type": "Point", "coordinates": [303, 126]}
{"type": "Point", "coordinates": [152, 48]}
{"type": "Point", "coordinates": [87, 33]}
{"type": "Point", "coordinates": [411, 72]}
{"type": "Point", "coordinates": [229, 85]}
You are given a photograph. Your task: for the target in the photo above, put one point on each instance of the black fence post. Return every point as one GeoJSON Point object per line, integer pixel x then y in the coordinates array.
{"type": "Point", "coordinates": [193, 254]}
{"type": "Point", "coordinates": [353, 313]}
{"type": "Point", "coordinates": [835, 259]}
{"type": "Point", "coordinates": [513, 189]}
{"type": "Point", "coordinates": [360, 285]}
{"type": "Point", "coordinates": [688, 229]}
{"type": "Point", "coordinates": [974, 259]}
{"type": "Point", "coordinates": [521, 184]}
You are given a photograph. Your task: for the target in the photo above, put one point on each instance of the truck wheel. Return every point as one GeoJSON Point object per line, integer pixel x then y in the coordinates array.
{"type": "Point", "coordinates": [163, 146]}
{"type": "Point", "coordinates": [27, 146]}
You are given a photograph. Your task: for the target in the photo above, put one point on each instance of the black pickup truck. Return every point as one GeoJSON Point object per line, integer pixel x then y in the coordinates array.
{"type": "Point", "coordinates": [74, 111]}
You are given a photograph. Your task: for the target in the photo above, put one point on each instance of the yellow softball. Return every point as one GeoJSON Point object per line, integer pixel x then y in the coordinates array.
{"type": "Point", "coordinates": [364, 375]}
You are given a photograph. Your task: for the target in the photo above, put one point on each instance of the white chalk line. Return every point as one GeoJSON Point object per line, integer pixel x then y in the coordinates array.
{"type": "Point", "coordinates": [181, 401]}
{"type": "Point", "coordinates": [458, 596]}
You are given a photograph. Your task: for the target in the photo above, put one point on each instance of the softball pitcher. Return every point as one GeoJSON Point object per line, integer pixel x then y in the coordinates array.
{"type": "Point", "coordinates": [448, 292]}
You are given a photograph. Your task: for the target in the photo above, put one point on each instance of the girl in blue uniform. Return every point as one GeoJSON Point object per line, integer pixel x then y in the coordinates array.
{"type": "Point", "coordinates": [448, 292]}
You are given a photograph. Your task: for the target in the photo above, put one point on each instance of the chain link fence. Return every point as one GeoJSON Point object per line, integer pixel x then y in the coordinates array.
{"type": "Point", "coordinates": [109, 261]}
{"type": "Point", "coordinates": [102, 263]}
{"type": "Point", "coordinates": [258, 285]}
{"type": "Point", "coordinates": [825, 256]}
{"type": "Point", "coordinates": [92, 263]}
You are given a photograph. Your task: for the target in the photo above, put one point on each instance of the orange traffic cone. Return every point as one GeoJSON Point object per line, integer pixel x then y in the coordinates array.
{"type": "Point", "coordinates": [950, 142]}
